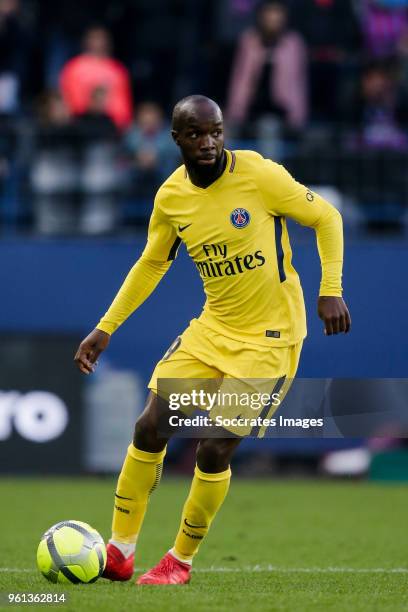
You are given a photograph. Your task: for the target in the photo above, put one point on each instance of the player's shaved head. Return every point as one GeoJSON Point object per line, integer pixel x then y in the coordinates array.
{"type": "Point", "coordinates": [197, 129]}
{"type": "Point", "coordinates": [195, 108]}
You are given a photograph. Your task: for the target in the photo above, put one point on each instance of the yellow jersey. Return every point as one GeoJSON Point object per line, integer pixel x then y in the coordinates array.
{"type": "Point", "coordinates": [235, 232]}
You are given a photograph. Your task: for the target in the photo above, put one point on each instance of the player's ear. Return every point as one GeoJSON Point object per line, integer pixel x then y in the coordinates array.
{"type": "Point", "coordinates": [174, 134]}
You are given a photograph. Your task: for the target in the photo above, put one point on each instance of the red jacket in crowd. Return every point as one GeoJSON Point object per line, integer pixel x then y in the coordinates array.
{"type": "Point", "coordinates": [85, 73]}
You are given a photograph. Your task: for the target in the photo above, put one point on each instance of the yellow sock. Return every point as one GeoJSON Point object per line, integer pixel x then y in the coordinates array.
{"type": "Point", "coordinates": [207, 493]}
{"type": "Point", "coordinates": [139, 477]}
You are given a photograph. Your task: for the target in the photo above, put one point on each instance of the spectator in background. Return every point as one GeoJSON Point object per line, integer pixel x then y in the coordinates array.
{"type": "Point", "coordinates": [331, 30]}
{"type": "Point", "coordinates": [384, 23]}
{"type": "Point", "coordinates": [377, 147]}
{"type": "Point", "coordinates": [269, 72]}
{"type": "Point", "coordinates": [153, 154]}
{"type": "Point", "coordinates": [74, 174]}
{"type": "Point", "coordinates": [62, 25]}
{"type": "Point", "coordinates": [95, 119]}
{"type": "Point", "coordinates": [54, 173]}
{"type": "Point", "coordinates": [95, 68]}
{"type": "Point", "coordinates": [99, 168]}
{"type": "Point", "coordinates": [230, 19]}
{"type": "Point", "coordinates": [13, 55]}
{"type": "Point", "coordinates": [385, 27]}
{"type": "Point", "coordinates": [379, 111]}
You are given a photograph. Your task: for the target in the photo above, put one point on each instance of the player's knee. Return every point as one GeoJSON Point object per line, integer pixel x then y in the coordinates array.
{"type": "Point", "coordinates": [146, 430]}
{"type": "Point", "coordinates": [145, 435]}
{"type": "Point", "coordinates": [214, 455]}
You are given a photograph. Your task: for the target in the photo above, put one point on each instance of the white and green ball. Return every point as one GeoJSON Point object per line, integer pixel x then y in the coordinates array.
{"type": "Point", "coordinates": [71, 552]}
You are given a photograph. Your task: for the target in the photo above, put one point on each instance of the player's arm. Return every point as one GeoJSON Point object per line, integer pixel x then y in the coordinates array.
{"type": "Point", "coordinates": [285, 196]}
{"type": "Point", "coordinates": [160, 251]}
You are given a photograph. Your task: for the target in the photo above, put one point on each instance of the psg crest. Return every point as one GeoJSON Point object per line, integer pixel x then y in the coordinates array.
{"type": "Point", "coordinates": [240, 218]}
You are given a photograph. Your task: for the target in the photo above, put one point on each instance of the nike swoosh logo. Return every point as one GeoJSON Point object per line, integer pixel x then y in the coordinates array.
{"type": "Point", "coordinates": [195, 526]}
{"type": "Point", "coordinates": [181, 229]}
{"type": "Point", "coordinates": [120, 497]}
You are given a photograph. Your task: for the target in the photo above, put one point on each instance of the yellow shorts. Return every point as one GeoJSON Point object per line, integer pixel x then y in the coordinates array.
{"type": "Point", "coordinates": [202, 353]}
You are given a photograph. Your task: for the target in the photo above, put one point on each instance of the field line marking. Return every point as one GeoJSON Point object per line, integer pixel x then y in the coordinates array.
{"type": "Point", "coordinates": [264, 568]}
{"type": "Point", "coordinates": [15, 570]}
{"type": "Point", "coordinates": [305, 570]}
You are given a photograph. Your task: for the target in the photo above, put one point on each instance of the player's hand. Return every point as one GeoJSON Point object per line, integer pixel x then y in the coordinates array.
{"type": "Point", "coordinates": [90, 349]}
{"type": "Point", "coordinates": [335, 315]}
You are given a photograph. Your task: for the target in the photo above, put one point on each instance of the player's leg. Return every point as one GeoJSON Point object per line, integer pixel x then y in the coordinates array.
{"type": "Point", "coordinates": [212, 474]}
{"type": "Point", "coordinates": [142, 468]}
{"type": "Point", "coordinates": [140, 475]}
{"type": "Point", "coordinates": [208, 490]}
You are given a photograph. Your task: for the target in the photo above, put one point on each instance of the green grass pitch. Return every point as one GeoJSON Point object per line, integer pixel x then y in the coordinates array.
{"type": "Point", "coordinates": [293, 546]}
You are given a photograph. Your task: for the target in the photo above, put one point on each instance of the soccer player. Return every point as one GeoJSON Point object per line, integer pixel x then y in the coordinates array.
{"type": "Point", "coordinates": [230, 209]}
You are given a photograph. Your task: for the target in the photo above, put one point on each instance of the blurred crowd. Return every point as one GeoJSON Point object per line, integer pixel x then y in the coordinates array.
{"type": "Point", "coordinates": [86, 91]}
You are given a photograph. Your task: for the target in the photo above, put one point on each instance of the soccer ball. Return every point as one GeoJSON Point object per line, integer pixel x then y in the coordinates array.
{"type": "Point", "coordinates": [71, 552]}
